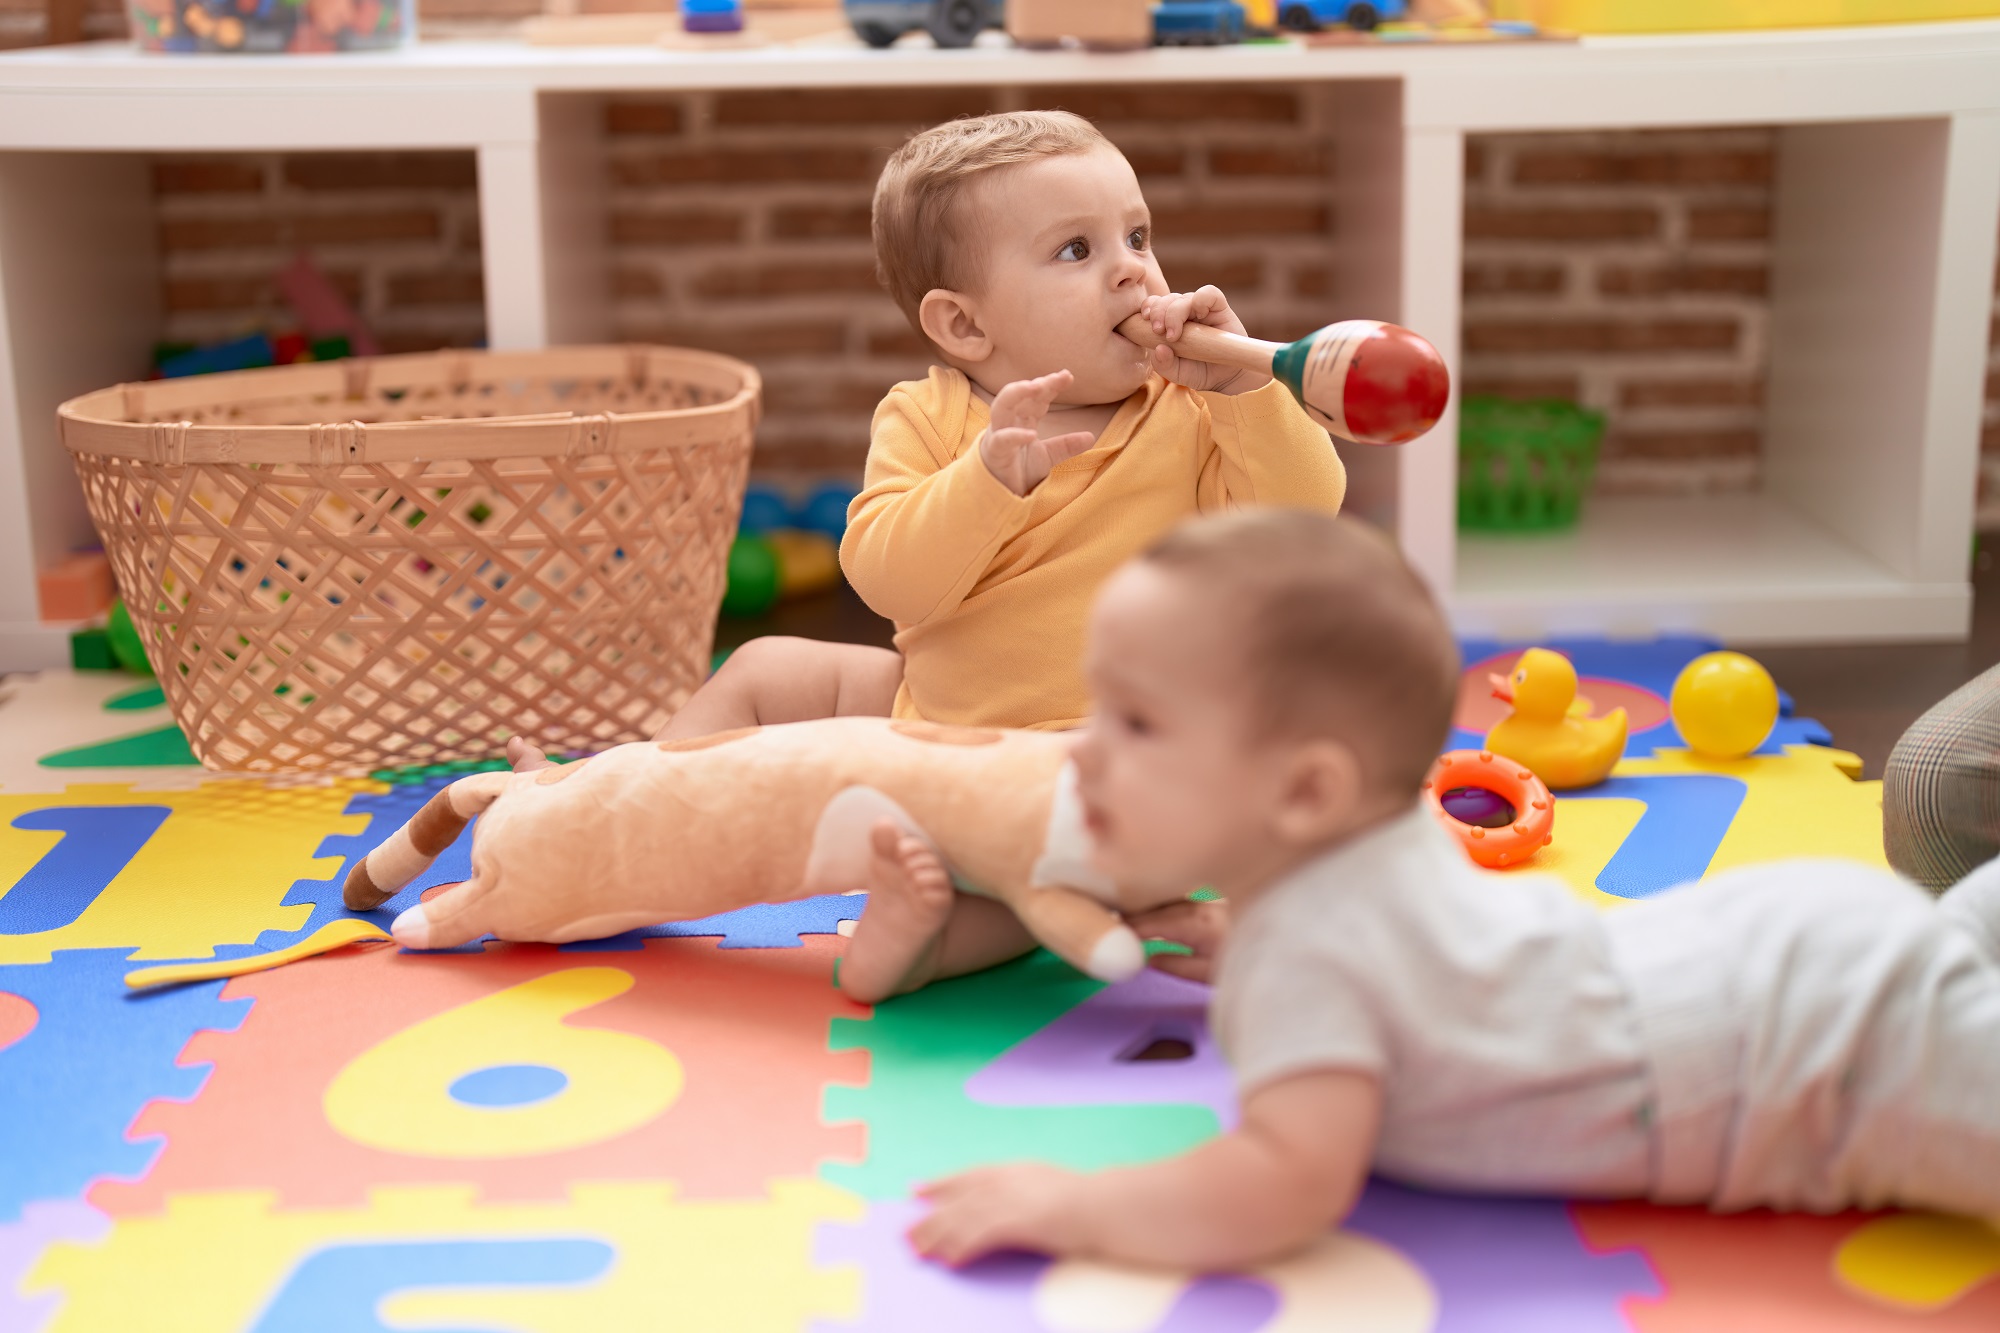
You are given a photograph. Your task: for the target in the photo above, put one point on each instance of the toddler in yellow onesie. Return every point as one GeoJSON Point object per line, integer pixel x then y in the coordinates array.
{"type": "Point", "coordinates": [1004, 488]}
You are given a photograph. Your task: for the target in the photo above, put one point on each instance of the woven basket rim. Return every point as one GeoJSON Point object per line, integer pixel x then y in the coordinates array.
{"type": "Point", "coordinates": [102, 424]}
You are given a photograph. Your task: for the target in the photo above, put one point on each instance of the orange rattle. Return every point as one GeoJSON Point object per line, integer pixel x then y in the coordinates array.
{"type": "Point", "coordinates": [1531, 824]}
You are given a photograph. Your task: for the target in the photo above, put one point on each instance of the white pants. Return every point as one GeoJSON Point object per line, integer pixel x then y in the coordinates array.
{"type": "Point", "coordinates": [1821, 1036]}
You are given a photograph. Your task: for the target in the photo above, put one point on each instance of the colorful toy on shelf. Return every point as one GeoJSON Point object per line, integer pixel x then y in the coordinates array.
{"type": "Point", "coordinates": [764, 508]}
{"type": "Point", "coordinates": [712, 15]}
{"type": "Point", "coordinates": [825, 509]}
{"type": "Point", "coordinates": [1724, 705]}
{"type": "Point", "coordinates": [1099, 25]}
{"type": "Point", "coordinates": [754, 578]}
{"type": "Point", "coordinates": [1197, 22]}
{"type": "Point", "coordinates": [949, 22]}
{"type": "Point", "coordinates": [321, 308]}
{"type": "Point", "coordinates": [76, 587]}
{"type": "Point", "coordinates": [1550, 730]}
{"type": "Point", "coordinates": [173, 361]}
{"type": "Point", "coordinates": [1366, 381]}
{"type": "Point", "coordinates": [1360, 15]}
{"type": "Point", "coordinates": [270, 27]}
{"type": "Point", "coordinates": [808, 562]}
{"type": "Point", "coordinates": [1518, 818]}
{"type": "Point", "coordinates": [125, 644]}
{"type": "Point", "coordinates": [1524, 466]}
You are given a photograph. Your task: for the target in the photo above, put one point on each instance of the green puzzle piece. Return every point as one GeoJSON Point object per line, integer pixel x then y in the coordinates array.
{"type": "Point", "coordinates": [165, 747]}
{"type": "Point", "coordinates": [925, 1045]}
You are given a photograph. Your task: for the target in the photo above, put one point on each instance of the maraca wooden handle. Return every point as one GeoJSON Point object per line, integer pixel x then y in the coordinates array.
{"type": "Point", "coordinates": [1199, 342]}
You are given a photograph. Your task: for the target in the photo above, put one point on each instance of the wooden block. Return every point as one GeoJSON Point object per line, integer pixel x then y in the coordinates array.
{"type": "Point", "coordinates": [1100, 24]}
{"type": "Point", "coordinates": [76, 588]}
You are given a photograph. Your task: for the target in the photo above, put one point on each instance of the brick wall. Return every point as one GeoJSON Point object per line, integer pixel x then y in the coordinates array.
{"type": "Point", "coordinates": [1989, 439]}
{"type": "Point", "coordinates": [397, 232]}
{"type": "Point", "coordinates": [740, 221]}
{"type": "Point", "coordinates": [1627, 271]}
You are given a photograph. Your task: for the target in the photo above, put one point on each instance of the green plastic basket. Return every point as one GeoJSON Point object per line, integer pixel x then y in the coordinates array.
{"type": "Point", "coordinates": [1524, 466]}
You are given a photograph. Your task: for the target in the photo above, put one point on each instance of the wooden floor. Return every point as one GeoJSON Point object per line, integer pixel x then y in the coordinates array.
{"type": "Point", "coordinates": [1866, 694]}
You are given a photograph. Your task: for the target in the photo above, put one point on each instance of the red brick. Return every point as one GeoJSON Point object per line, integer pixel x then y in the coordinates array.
{"type": "Point", "coordinates": [1626, 223]}
{"type": "Point", "coordinates": [812, 109]}
{"type": "Point", "coordinates": [1315, 281]}
{"type": "Point", "coordinates": [381, 171]}
{"type": "Point", "coordinates": [901, 340]}
{"type": "Point", "coordinates": [1111, 102]}
{"type": "Point", "coordinates": [1732, 223]}
{"type": "Point", "coordinates": [1236, 275]}
{"type": "Point", "coordinates": [403, 224]}
{"type": "Point", "coordinates": [1244, 218]}
{"type": "Point", "coordinates": [823, 455]}
{"type": "Point", "coordinates": [433, 287]}
{"type": "Point", "coordinates": [1989, 440]}
{"type": "Point", "coordinates": [807, 222]}
{"type": "Point", "coordinates": [820, 278]}
{"type": "Point", "coordinates": [1475, 161]}
{"type": "Point", "coordinates": [1567, 387]}
{"type": "Point", "coordinates": [1690, 393]}
{"type": "Point", "coordinates": [1686, 166]}
{"type": "Point", "coordinates": [1675, 445]}
{"type": "Point", "coordinates": [1514, 279]}
{"type": "Point", "coordinates": [719, 166]}
{"type": "Point", "coordinates": [1154, 161]}
{"type": "Point", "coordinates": [1993, 387]}
{"type": "Point", "coordinates": [797, 393]}
{"type": "Point", "coordinates": [678, 227]}
{"type": "Point", "coordinates": [635, 282]}
{"type": "Point", "coordinates": [1677, 279]}
{"type": "Point", "coordinates": [1625, 337]}
{"type": "Point", "coordinates": [220, 293]}
{"type": "Point", "coordinates": [208, 176]}
{"type": "Point", "coordinates": [1307, 159]}
{"type": "Point", "coordinates": [427, 340]}
{"type": "Point", "coordinates": [467, 242]}
{"type": "Point", "coordinates": [642, 118]}
{"type": "Point", "coordinates": [791, 337]}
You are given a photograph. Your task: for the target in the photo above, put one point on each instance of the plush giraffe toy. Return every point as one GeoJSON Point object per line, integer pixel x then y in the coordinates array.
{"type": "Point", "coordinates": [677, 830]}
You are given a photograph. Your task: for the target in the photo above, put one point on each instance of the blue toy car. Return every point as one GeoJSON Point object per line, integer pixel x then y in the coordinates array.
{"type": "Point", "coordinates": [1361, 15]}
{"type": "Point", "coordinates": [1197, 22]}
{"type": "Point", "coordinates": [949, 22]}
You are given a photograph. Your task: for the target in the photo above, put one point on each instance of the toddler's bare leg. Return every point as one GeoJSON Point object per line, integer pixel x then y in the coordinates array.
{"type": "Point", "coordinates": [783, 679]}
{"type": "Point", "coordinates": [917, 928]}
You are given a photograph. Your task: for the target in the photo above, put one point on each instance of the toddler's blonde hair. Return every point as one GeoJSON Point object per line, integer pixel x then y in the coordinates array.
{"type": "Point", "coordinates": [921, 236]}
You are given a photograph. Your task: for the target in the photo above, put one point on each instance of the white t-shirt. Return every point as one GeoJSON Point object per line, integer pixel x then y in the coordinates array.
{"type": "Point", "coordinates": [1488, 1006]}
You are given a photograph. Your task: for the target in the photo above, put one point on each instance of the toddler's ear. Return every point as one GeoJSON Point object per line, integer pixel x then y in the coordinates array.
{"type": "Point", "coordinates": [951, 322]}
{"type": "Point", "coordinates": [1320, 793]}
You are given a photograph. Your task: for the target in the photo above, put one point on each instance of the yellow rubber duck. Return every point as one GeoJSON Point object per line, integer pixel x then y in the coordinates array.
{"type": "Point", "coordinates": [1550, 730]}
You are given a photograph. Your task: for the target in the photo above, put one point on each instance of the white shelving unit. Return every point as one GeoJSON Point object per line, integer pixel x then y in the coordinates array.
{"type": "Point", "coordinates": [1888, 205]}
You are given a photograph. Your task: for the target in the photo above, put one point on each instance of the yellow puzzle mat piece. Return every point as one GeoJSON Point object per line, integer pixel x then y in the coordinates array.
{"type": "Point", "coordinates": [1804, 802]}
{"type": "Point", "coordinates": [215, 871]}
{"type": "Point", "coordinates": [214, 1261]}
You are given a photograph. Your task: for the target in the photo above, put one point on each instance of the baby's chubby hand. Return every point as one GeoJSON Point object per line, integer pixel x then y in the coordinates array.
{"type": "Point", "coordinates": [1171, 313]}
{"type": "Point", "coordinates": [1022, 1206]}
{"type": "Point", "coordinates": [1011, 447]}
{"type": "Point", "coordinates": [1201, 926]}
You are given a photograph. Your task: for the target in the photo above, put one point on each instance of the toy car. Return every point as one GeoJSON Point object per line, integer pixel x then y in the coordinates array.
{"type": "Point", "coordinates": [949, 22]}
{"type": "Point", "coordinates": [1361, 15]}
{"type": "Point", "coordinates": [1197, 22]}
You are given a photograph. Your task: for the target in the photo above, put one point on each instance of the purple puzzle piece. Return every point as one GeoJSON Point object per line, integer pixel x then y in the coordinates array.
{"type": "Point", "coordinates": [904, 1294]}
{"type": "Point", "coordinates": [21, 1244]}
{"type": "Point", "coordinates": [1501, 1265]}
{"type": "Point", "coordinates": [1084, 1057]}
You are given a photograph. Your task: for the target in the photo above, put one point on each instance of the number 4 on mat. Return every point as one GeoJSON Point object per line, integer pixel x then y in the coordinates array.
{"type": "Point", "coordinates": [98, 841]}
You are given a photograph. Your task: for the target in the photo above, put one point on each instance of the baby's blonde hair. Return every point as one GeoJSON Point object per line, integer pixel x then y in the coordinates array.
{"type": "Point", "coordinates": [921, 239]}
{"type": "Point", "coordinates": [1339, 634]}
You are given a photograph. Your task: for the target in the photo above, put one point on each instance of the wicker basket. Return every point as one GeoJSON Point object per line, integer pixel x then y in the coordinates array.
{"type": "Point", "coordinates": [486, 544]}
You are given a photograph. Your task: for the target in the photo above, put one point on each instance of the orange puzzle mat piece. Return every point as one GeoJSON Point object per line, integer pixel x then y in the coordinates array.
{"type": "Point", "coordinates": [520, 1070]}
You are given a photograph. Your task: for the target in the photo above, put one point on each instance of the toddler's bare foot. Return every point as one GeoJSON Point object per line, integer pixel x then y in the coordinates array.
{"type": "Point", "coordinates": [894, 946]}
{"type": "Point", "coordinates": [523, 757]}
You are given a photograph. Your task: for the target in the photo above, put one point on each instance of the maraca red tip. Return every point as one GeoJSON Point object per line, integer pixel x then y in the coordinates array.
{"type": "Point", "coordinates": [1396, 387]}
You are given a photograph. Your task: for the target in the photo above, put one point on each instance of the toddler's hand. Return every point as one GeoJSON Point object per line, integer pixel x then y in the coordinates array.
{"type": "Point", "coordinates": [1171, 313]}
{"type": "Point", "coordinates": [1010, 448]}
{"type": "Point", "coordinates": [1025, 1206]}
{"type": "Point", "coordinates": [1202, 926]}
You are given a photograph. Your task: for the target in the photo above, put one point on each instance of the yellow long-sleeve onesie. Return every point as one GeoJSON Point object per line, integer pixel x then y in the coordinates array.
{"type": "Point", "coordinates": [991, 591]}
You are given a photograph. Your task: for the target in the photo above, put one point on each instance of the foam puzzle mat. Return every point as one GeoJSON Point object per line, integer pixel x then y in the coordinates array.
{"type": "Point", "coordinates": [690, 1128]}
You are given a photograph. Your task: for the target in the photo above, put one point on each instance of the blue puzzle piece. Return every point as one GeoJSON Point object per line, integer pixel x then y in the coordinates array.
{"type": "Point", "coordinates": [98, 841]}
{"type": "Point", "coordinates": [1687, 815]}
{"type": "Point", "coordinates": [96, 1055]}
{"type": "Point", "coordinates": [764, 926]}
{"type": "Point", "coordinates": [1651, 664]}
{"type": "Point", "coordinates": [339, 1289]}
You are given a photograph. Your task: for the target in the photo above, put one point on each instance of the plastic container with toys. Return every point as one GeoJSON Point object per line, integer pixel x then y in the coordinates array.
{"type": "Point", "coordinates": [403, 560]}
{"type": "Point", "coordinates": [272, 27]}
{"type": "Point", "coordinates": [1524, 466]}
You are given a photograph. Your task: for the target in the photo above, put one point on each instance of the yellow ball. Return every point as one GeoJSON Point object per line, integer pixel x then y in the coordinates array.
{"type": "Point", "coordinates": [1724, 705]}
